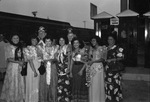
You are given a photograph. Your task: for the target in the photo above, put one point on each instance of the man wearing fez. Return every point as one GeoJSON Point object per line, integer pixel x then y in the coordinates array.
{"type": "Point", "coordinates": [41, 33]}
{"type": "Point", "coordinates": [42, 70]}
{"type": "Point", "coordinates": [40, 47]}
{"type": "Point", "coordinates": [70, 37]}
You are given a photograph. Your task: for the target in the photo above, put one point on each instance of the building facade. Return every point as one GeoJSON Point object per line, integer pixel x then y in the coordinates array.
{"type": "Point", "coordinates": [136, 28]}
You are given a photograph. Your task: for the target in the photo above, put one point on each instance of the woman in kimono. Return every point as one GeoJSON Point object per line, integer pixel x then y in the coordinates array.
{"type": "Point", "coordinates": [77, 72]}
{"type": "Point", "coordinates": [63, 72]}
{"type": "Point", "coordinates": [13, 87]}
{"type": "Point", "coordinates": [113, 78]}
{"type": "Point", "coordinates": [32, 78]}
{"type": "Point", "coordinates": [97, 89]}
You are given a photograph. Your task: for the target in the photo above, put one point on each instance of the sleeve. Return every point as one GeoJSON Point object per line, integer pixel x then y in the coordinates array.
{"type": "Point", "coordinates": [120, 53]}
{"type": "Point", "coordinates": [56, 49]}
{"type": "Point", "coordinates": [27, 53]}
{"type": "Point", "coordinates": [104, 50]}
{"type": "Point", "coordinates": [9, 52]}
{"type": "Point", "coordinates": [82, 51]}
{"type": "Point", "coordinates": [90, 51]}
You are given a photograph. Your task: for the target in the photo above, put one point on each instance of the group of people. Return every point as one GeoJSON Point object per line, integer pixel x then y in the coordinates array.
{"type": "Point", "coordinates": [69, 71]}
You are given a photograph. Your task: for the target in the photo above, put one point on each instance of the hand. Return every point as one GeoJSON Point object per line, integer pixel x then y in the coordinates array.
{"type": "Point", "coordinates": [45, 63]}
{"type": "Point", "coordinates": [90, 63]}
{"type": "Point", "coordinates": [109, 60]}
{"type": "Point", "coordinates": [35, 74]}
{"type": "Point", "coordinates": [21, 63]}
{"type": "Point", "coordinates": [80, 72]}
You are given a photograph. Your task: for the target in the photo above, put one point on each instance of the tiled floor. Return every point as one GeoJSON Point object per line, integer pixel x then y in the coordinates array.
{"type": "Point", "coordinates": [136, 73]}
{"type": "Point", "coordinates": [137, 70]}
{"type": "Point", "coordinates": [136, 91]}
{"type": "Point", "coordinates": [136, 84]}
{"type": "Point", "coordinates": [133, 91]}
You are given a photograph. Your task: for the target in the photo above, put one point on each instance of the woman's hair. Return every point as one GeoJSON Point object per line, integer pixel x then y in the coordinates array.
{"type": "Point", "coordinates": [114, 36]}
{"type": "Point", "coordinates": [11, 42]}
{"type": "Point", "coordinates": [98, 40]}
{"type": "Point", "coordinates": [80, 42]}
{"type": "Point", "coordinates": [33, 37]}
{"type": "Point", "coordinates": [19, 48]}
{"type": "Point", "coordinates": [48, 37]}
{"type": "Point", "coordinates": [63, 38]}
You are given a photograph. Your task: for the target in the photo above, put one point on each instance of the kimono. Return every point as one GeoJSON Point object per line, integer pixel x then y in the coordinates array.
{"type": "Point", "coordinates": [113, 78]}
{"type": "Point", "coordinates": [63, 87]}
{"type": "Point", "coordinates": [13, 87]}
{"type": "Point", "coordinates": [32, 82]}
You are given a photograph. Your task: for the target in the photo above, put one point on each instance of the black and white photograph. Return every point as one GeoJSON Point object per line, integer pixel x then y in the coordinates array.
{"type": "Point", "coordinates": [74, 50]}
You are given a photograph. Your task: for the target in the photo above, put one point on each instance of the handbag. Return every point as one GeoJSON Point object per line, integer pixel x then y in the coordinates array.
{"type": "Point", "coordinates": [24, 69]}
{"type": "Point", "coordinates": [42, 69]}
{"type": "Point", "coordinates": [116, 66]}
